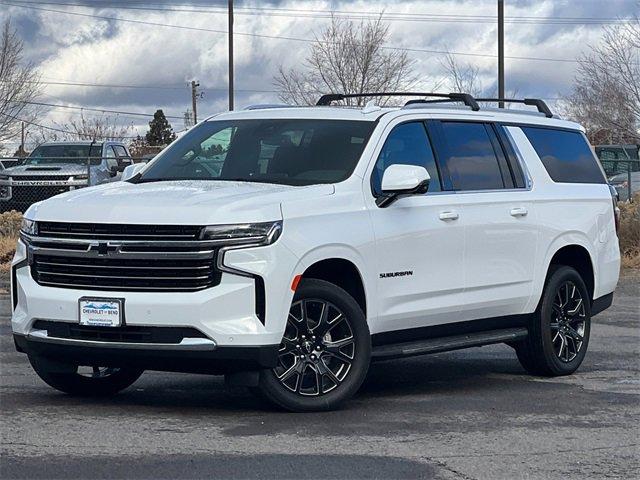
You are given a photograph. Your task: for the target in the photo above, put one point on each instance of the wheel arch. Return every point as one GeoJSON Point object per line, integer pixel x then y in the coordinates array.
{"type": "Point", "coordinates": [343, 273]}
{"type": "Point", "coordinates": [576, 256]}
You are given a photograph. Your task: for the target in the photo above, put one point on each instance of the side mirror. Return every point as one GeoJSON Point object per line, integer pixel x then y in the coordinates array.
{"type": "Point", "coordinates": [402, 180]}
{"type": "Point", "coordinates": [131, 170]}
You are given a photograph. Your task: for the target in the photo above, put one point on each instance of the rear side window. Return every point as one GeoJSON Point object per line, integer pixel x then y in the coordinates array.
{"type": "Point", "coordinates": [565, 154]}
{"type": "Point", "coordinates": [407, 144]}
{"type": "Point", "coordinates": [470, 157]}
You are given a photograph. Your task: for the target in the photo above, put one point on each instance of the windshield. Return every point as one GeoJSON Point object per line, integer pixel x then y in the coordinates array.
{"type": "Point", "coordinates": [290, 151]}
{"type": "Point", "coordinates": [77, 154]}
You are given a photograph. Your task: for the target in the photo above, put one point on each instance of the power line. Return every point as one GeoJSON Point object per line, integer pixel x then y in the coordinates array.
{"type": "Point", "coordinates": [100, 110]}
{"type": "Point", "coordinates": [54, 129]}
{"type": "Point", "coordinates": [107, 85]}
{"type": "Point", "coordinates": [282, 37]}
{"type": "Point", "coordinates": [358, 15]}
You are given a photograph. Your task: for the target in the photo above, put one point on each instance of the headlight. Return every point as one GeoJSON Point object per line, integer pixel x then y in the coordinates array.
{"type": "Point", "coordinates": [5, 192]}
{"type": "Point", "coordinates": [244, 233]}
{"type": "Point", "coordinates": [83, 176]}
{"type": "Point", "coordinates": [29, 227]}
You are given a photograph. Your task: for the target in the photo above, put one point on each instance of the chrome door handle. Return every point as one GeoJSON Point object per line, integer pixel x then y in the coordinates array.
{"type": "Point", "coordinates": [519, 212]}
{"type": "Point", "coordinates": [449, 216]}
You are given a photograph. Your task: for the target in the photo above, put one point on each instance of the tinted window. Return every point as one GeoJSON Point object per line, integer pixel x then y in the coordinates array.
{"type": "Point", "coordinates": [407, 144]}
{"type": "Point", "coordinates": [566, 155]}
{"type": "Point", "coordinates": [288, 151]}
{"type": "Point", "coordinates": [514, 162]}
{"type": "Point", "coordinates": [470, 158]}
{"type": "Point", "coordinates": [65, 153]}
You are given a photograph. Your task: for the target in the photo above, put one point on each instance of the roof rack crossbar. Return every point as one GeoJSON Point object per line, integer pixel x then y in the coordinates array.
{"type": "Point", "coordinates": [534, 102]}
{"type": "Point", "coordinates": [450, 97]}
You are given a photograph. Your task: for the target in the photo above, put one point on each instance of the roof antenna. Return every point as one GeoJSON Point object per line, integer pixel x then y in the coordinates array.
{"type": "Point", "coordinates": [371, 106]}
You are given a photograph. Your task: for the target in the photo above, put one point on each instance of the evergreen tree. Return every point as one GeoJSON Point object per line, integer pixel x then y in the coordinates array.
{"type": "Point", "coordinates": [160, 131]}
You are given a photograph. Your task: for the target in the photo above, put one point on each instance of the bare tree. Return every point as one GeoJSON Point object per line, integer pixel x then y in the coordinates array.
{"type": "Point", "coordinates": [103, 127]}
{"type": "Point", "coordinates": [461, 77]}
{"type": "Point", "coordinates": [606, 92]}
{"type": "Point", "coordinates": [347, 57]}
{"type": "Point", "coordinates": [465, 78]}
{"type": "Point", "coordinates": [19, 85]}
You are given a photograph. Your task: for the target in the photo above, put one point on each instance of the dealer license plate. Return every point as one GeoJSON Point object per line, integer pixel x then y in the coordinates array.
{"type": "Point", "coordinates": [101, 312]}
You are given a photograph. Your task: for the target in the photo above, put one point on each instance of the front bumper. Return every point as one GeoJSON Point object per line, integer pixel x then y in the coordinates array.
{"type": "Point", "coordinates": [240, 320]}
{"type": "Point", "coordinates": [192, 356]}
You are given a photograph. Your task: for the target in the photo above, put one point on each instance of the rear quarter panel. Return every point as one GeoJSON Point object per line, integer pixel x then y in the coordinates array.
{"type": "Point", "coordinates": [571, 214]}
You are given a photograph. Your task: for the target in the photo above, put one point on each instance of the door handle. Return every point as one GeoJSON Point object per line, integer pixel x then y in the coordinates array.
{"type": "Point", "coordinates": [519, 212]}
{"type": "Point", "coordinates": [449, 216]}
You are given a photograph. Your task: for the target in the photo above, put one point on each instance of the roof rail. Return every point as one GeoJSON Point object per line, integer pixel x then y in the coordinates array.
{"type": "Point", "coordinates": [262, 106]}
{"type": "Point", "coordinates": [465, 98]}
{"type": "Point", "coordinates": [536, 102]}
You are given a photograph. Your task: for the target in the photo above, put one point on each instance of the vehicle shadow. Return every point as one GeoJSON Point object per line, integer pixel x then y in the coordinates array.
{"type": "Point", "coordinates": [472, 371]}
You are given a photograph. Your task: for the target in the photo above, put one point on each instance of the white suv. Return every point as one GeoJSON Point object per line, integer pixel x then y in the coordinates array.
{"type": "Point", "coordinates": [287, 248]}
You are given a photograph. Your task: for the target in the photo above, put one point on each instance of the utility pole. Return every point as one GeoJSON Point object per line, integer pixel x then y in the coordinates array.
{"type": "Point", "coordinates": [230, 13]}
{"type": "Point", "coordinates": [194, 95]}
{"type": "Point", "coordinates": [21, 151]}
{"type": "Point", "coordinates": [501, 52]}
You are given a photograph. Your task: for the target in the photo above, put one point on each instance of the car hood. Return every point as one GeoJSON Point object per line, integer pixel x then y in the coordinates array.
{"type": "Point", "coordinates": [46, 170]}
{"type": "Point", "coordinates": [193, 202]}
{"type": "Point", "coordinates": [623, 177]}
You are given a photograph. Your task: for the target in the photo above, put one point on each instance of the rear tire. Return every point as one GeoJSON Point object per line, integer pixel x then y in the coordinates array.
{"type": "Point", "coordinates": [559, 329]}
{"type": "Point", "coordinates": [325, 352]}
{"type": "Point", "coordinates": [99, 382]}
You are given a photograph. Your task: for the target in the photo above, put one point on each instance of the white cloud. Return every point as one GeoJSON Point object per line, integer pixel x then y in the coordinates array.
{"type": "Point", "coordinates": [90, 50]}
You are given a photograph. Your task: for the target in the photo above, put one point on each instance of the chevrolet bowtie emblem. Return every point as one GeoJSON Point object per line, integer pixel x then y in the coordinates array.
{"type": "Point", "coordinates": [104, 248]}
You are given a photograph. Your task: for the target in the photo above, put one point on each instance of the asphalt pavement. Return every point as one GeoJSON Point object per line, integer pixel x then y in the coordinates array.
{"type": "Point", "coordinates": [471, 414]}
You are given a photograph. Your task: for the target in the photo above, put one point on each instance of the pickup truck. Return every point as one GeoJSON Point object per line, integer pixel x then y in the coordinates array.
{"type": "Point", "coordinates": [54, 168]}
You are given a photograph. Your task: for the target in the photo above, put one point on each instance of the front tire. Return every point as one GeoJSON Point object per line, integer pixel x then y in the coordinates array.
{"type": "Point", "coordinates": [325, 351]}
{"type": "Point", "coordinates": [86, 381]}
{"type": "Point", "coordinates": [559, 329]}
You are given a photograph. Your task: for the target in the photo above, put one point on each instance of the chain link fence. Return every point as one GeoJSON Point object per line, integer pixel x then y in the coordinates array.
{"type": "Point", "coordinates": [26, 181]}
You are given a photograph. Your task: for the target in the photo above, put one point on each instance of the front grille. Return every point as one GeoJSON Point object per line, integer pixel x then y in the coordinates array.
{"type": "Point", "coordinates": [26, 194]}
{"type": "Point", "coordinates": [40, 178]}
{"type": "Point", "coordinates": [116, 257]}
{"type": "Point", "coordinates": [125, 334]}
{"type": "Point", "coordinates": [98, 231]}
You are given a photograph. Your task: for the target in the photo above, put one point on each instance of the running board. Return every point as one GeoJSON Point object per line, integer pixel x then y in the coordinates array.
{"type": "Point", "coordinates": [445, 344]}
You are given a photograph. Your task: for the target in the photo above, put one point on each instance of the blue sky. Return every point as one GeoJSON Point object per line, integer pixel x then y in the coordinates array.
{"type": "Point", "coordinates": [82, 49]}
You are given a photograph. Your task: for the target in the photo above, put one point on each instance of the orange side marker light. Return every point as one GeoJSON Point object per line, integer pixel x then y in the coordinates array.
{"type": "Point", "coordinates": [296, 281]}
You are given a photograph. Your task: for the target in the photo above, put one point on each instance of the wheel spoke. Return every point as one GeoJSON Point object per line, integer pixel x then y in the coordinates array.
{"type": "Point", "coordinates": [334, 349]}
{"type": "Point", "coordinates": [287, 346]}
{"type": "Point", "coordinates": [573, 333]}
{"type": "Point", "coordinates": [323, 322]}
{"type": "Point", "coordinates": [574, 310]}
{"type": "Point", "coordinates": [325, 370]}
{"type": "Point", "coordinates": [563, 343]}
{"type": "Point", "coordinates": [559, 297]}
{"type": "Point", "coordinates": [301, 373]}
{"type": "Point", "coordinates": [289, 372]}
{"type": "Point", "coordinates": [574, 350]}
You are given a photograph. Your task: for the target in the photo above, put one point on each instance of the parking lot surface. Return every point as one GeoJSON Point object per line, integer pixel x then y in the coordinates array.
{"type": "Point", "coordinates": [469, 414]}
